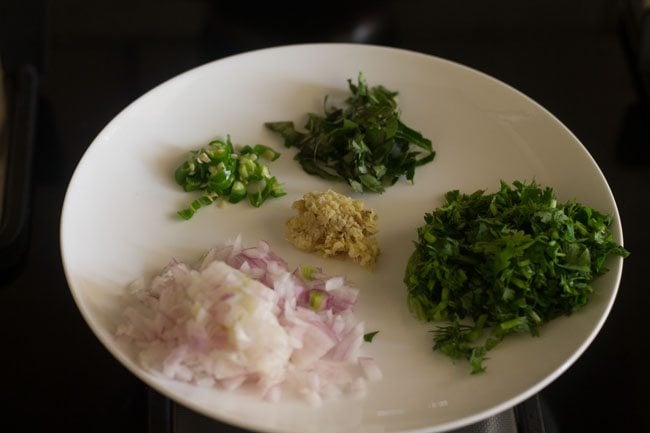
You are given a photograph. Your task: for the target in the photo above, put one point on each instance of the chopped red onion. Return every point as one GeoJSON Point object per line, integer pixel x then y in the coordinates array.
{"type": "Point", "coordinates": [243, 318]}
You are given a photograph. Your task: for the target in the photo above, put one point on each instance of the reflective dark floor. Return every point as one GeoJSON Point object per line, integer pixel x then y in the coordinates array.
{"type": "Point", "coordinates": [582, 60]}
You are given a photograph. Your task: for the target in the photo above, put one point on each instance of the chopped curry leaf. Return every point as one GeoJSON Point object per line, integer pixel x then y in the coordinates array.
{"type": "Point", "coordinates": [364, 144]}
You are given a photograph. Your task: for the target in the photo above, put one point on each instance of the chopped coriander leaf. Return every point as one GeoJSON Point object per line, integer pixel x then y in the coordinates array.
{"type": "Point", "coordinates": [364, 144]}
{"type": "Point", "coordinates": [369, 336]}
{"type": "Point", "coordinates": [497, 264]}
{"type": "Point", "coordinates": [219, 172]}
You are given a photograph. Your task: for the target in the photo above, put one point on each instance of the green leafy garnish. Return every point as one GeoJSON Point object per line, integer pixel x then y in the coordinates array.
{"type": "Point", "coordinates": [219, 172]}
{"type": "Point", "coordinates": [504, 263]}
{"type": "Point", "coordinates": [369, 336]}
{"type": "Point", "coordinates": [365, 144]}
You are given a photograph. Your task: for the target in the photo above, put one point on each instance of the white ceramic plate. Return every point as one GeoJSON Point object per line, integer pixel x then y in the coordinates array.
{"type": "Point", "coordinates": [119, 222]}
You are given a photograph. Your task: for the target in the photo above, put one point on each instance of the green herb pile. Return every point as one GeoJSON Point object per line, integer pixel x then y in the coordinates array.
{"type": "Point", "coordinates": [219, 172]}
{"type": "Point", "coordinates": [496, 264]}
{"type": "Point", "coordinates": [364, 144]}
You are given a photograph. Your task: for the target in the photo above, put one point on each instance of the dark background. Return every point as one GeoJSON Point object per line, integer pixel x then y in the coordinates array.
{"type": "Point", "coordinates": [585, 61]}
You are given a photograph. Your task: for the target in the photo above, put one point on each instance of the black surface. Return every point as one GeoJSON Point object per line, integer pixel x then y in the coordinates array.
{"type": "Point", "coordinates": [18, 136]}
{"type": "Point", "coordinates": [94, 58]}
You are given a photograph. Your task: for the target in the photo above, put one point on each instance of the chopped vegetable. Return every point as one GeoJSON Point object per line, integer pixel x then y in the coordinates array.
{"type": "Point", "coordinates": [334, 225]}
{"type": "Point", "coordinates": [219, 172]}
{"type": "Point", "coordinates": [497, 264]}
{"type": "Point", "coordinates": [365, 144]}
{"type": "Point", "coordinates": [243, 318]}
{"type": "Point", "coordinates": [369, 336]}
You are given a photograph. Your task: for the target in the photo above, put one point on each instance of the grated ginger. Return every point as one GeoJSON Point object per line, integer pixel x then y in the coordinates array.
{"type": "Point", "coordinates": [333, 224]}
